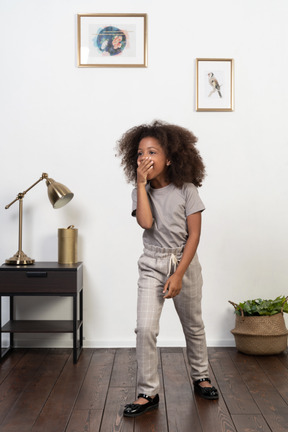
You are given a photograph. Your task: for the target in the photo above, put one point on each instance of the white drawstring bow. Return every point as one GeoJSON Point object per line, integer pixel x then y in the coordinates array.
{"type": "Point", "coordinates": [173, 263]}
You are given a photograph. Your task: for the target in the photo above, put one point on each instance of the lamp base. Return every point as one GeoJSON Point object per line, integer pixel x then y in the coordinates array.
{"type": "Point", "coordinates": [20, 258]}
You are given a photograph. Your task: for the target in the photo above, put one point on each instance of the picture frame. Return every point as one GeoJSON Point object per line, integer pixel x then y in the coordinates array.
{"type": "Point", "coordinates": [214, 84]}
{"type": "Point", "coordinates": [112, 40]}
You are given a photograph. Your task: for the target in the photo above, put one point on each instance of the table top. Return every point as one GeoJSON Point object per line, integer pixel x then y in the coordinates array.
{"type": "Point", "coordinates": [42, 265]}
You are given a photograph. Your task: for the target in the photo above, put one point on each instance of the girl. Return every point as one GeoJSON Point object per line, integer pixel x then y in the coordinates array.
{"type": "Point", "coordinates": [163, 162]}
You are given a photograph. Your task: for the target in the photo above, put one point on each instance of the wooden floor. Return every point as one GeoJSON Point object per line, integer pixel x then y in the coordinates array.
{"type": "Point", "coordinates": [42, 390]}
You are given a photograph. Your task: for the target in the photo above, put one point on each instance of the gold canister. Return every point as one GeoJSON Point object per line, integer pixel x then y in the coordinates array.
{"type": "Point", "coordinates": [67, 245]}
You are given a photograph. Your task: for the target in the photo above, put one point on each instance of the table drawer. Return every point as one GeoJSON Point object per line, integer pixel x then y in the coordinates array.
{"type": "Point", "coordinates": [38, 281]}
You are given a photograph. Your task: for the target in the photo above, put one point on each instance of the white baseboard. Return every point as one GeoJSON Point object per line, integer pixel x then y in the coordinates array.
{"type": "Point", "coordinates": [46, 342]}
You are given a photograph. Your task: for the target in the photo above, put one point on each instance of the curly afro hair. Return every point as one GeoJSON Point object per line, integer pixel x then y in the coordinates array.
{"type": "Point", "coordinates": [179, 145]}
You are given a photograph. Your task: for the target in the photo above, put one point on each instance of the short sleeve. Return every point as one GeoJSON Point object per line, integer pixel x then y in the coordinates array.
{"type": "Point", "coordinates": [134, 202]}
{"type": "Point", "coordinates": [193, 201]}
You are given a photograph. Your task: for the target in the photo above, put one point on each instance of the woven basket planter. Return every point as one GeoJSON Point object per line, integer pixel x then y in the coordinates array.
{"type": "Point", "coordinates": [260, 335]}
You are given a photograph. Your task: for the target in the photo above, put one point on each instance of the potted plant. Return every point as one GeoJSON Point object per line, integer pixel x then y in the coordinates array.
{"type": "Point", "coordinates": [260, 326]}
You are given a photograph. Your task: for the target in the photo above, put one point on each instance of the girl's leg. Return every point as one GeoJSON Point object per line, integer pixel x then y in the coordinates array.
{"type": "Point", "coordinates": [188, 306]}
{"type": "Point", "coordinates": [149, 308]}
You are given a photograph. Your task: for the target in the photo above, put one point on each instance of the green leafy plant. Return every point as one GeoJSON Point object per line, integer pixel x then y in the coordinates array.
{"type": "Point", "coordinates": [260, 307]}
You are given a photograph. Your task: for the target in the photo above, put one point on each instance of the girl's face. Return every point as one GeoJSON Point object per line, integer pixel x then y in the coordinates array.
{"type": "Point", "coordinates": [150, 148]}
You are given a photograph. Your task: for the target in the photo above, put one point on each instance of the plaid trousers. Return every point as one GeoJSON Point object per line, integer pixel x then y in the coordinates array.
{"type": "Point", "coordinates": [155, 265]}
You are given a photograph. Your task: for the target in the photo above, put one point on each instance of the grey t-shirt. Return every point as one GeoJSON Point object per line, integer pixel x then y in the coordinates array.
{"type": "Point", "coordinates": [170, 207]}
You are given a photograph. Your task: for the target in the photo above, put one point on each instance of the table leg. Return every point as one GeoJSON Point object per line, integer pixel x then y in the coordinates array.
{"type": "Point", "coordinates": [0, 326]}
{"type": "Point", "coordinates": [4, 351]}
{"type": "Point", "coordinates": [75, 328]}
{"type": "Point", "coordinates": [81, 319]}
{"type": "Point", "coordinates": [11, 319]}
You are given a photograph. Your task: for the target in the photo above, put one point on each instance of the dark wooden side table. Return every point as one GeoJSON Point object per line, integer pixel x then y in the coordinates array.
{"type": "Point", "coordinates": [43, 279]}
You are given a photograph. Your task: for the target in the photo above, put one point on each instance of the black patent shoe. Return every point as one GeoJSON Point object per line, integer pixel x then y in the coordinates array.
{"type": "Point", "coordinates": [205, 392]}
{"type": "Point", "coordinates": [134, 410]}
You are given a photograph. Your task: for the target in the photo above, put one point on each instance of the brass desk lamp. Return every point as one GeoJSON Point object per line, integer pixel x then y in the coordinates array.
{"type": "Point", "coordinates": [59, 195]}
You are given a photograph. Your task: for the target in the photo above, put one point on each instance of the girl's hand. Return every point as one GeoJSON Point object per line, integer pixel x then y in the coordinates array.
{"type": "Point", "coordinates": [173, 286]}
{"type": "Point", "coordinates": [143, 169]}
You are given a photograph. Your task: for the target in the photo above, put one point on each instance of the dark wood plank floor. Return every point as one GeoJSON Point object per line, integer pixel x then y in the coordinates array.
{"type": "Point", "coordinates": [41, 390]}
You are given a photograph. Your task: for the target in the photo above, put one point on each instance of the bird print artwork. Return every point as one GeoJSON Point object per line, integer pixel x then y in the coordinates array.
{"type": "Point", "coordinates": [214, 84]}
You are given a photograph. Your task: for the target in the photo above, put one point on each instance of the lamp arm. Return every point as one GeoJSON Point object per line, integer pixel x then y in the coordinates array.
{"type": "Point", "coordinates": [22, 194]}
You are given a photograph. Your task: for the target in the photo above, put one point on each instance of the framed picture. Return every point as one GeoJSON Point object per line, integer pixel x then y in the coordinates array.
{"type": "Point", "coordinates": [214, 84]}
{"type": "Point", "coordinates": [112, 40]}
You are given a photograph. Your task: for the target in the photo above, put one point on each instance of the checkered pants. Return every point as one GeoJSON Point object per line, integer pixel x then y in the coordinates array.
{"type": "Point", "coordinates": [154, 265]}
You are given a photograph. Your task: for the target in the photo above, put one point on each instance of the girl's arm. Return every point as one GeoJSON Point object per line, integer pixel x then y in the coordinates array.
{"type": "Point", "coordinates": [143, 212]}
{"type": "Point", "coordinates": [174, 283]}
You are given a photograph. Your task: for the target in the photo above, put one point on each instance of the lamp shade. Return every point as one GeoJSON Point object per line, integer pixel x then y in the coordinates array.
{"type": "Point", "coordinates": [59, 195]}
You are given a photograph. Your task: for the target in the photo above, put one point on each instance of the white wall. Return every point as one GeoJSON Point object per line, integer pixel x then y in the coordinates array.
{"type": "Point", "coordinates": [65, 120]}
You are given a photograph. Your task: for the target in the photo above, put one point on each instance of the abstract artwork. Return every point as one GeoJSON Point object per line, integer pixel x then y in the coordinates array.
{"type": "Point", "coordinates": [112, 40]}
{"type": "Point", "coordinates": [214, 84]}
